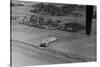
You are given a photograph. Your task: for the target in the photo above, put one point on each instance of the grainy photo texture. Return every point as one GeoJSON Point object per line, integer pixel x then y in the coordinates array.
{"type": "Point", "coordinates": [51, 33]}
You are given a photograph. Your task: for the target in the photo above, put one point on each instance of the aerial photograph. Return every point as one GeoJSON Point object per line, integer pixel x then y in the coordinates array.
{"type": "Point", "coordinates": [45, 33]}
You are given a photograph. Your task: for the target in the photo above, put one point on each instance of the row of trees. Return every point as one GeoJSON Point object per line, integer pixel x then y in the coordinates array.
{"type": "Point", "coordinates": [54, 10]}
{"type": "Point", "coordinates": [41, 22]}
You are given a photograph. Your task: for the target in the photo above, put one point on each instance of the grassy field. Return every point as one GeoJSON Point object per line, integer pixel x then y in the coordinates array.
{"type": "Point", "coordinates": [71, 47]}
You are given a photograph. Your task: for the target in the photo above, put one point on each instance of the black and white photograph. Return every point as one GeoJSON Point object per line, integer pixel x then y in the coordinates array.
{"type": "Point", "coordinates": [45, 33]}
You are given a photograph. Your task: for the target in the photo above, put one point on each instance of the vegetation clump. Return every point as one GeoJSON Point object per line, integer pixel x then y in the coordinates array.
{"type": "Point", "coordinates": [41, 22]}
{"type": "Point", "coordinates": [64, 10]}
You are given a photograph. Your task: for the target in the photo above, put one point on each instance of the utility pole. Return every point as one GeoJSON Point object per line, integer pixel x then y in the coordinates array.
{"type": "Point", "coordinates": [89, 14]}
